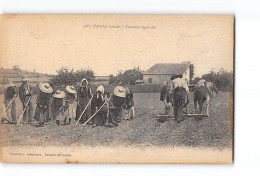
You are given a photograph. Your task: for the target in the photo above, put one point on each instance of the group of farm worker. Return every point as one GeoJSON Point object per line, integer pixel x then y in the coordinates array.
{"type": "Point", "coordinates": [175, 92]}
{"type": "Point", "coordinates": [60, 107]}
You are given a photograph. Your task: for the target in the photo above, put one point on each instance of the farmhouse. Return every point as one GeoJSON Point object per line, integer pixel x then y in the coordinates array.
{"type": "Point", "coordinates": [159, 73]}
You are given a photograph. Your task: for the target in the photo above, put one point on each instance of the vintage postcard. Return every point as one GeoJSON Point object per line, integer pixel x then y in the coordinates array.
{"type": "Point", "coordinates": [116, 88]}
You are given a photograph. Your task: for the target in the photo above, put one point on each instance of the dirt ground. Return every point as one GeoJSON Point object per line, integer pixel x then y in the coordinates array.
{"type": "Point", "coordinates": [144, 130]}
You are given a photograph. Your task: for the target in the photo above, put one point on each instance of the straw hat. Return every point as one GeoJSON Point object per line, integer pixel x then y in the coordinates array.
{"type": "Point", "coordinates": [120, 91]}
{"type": "Point", "coordinates": [59, 94]}
{"type": "Point", "coordinates": [101, 89]}
{"type": "Point", "coordinates": [71, 89]}
{"type": "Point", "coordinates": [45, 87]}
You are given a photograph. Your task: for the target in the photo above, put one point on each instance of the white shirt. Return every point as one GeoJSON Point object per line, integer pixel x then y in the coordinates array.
{"type": "Point", "coordinates": [200, 83]}
{"type": "Point", "coordinates": [178, 82]}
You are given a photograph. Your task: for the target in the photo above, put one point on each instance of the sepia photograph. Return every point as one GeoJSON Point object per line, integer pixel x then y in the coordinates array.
{"type": "Point", "coordinates": [116, 89]}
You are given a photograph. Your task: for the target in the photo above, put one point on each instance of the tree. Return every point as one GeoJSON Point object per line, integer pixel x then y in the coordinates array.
{"type": "Point", "coordinates": [112, 79]}
{"type": "Point", "coordinates": [222, 79]}
{"type": "Point", "coordinates": [16, 68]}
{"type": "Point", "coordinates": [84, 73]}
{"type": "Point", "coordinates": [69, 77]}
{"type": "Point", "coordinates": [4, 81]}
{"type": "Point", "coordinates": [126, 77]}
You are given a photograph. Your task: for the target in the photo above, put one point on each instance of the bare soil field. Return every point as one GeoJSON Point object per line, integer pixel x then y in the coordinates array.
{"type": "Point", "coordinates": [214, 131]}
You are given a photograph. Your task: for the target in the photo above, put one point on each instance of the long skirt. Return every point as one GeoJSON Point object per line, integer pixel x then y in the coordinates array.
{"type": "Point", "coordinates": [101, 117]}
{"type": "Point", "coordinates": [41, 114]}
{"type": "Point", "coordinates": [27, 116]}
{"type": "Point", "coordinates": [81, 106]}
{"type": "Point", "coordinates": [57, 114]}
{"type": "Point", "coordinates": [70, 112]}
{"type": "Point", "coordinates": [129, 114]}
{"type": "Point", "coordinates": [10, 114]}
{"type": "Point", "coordinates": [115, 115]}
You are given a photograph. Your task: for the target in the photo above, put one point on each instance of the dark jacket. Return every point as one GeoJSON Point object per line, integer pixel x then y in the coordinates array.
{"type": "Point", "coordinates": [129, 100]}
{"type": "Point", "coordinates": [43, 99]}
{"type": "Point", "coordinates": [10, 93]}
{"type": "Point", "coordinates": [84, 92]}
{"type": "Point", "coordinates": [23, 94]}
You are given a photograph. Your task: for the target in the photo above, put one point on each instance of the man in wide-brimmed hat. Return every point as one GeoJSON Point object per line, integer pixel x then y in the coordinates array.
{"type": "Point", "coordinates": [25, 94]}
{"type": "Point", "coordinates": [84, 94]}
{"type": "Point", "coordinates": [71, 103]}
{"type": "Point", "coordinates": [57, 106]}
{"type": "Point", "coordinates": [43, 101]}
{"type": "Point", "coordinates": [116, 104]}
{"type": "Point", "coordinates": [9, 103]}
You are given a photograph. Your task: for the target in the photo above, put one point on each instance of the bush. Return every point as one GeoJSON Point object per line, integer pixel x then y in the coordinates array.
{"type": "Point", "coordinates": [4, 81]}
{"type": "Point", "coordinates": [126, 77]}
{"type": "Point", "coordinates": [70, 77]}
{"type": "Point", "coordinates": [222, 79]}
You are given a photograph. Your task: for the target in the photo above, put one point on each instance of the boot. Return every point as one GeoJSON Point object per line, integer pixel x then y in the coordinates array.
{"type": "Point", "coordinates": [41, 124]}
{"type": "Point", "coordinates": [58, 122]}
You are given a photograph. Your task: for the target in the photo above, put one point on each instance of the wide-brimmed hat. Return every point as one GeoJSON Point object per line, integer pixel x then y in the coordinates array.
{"type": "Point", "coordinates": [120, 91]}
{"type": "Point", "coordinates": [101, 89]}
{"type": "Point", "coordinates": [45, 87]}
{"type": "Point", "coordinates": [71, 89]}
{"type": "Point", "coordinates": [59, 94]}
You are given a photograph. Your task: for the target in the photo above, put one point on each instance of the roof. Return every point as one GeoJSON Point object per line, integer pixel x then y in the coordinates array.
{"type": "Point", "coordinates": [167, 69]}
{"type": "Point", "coordinates": [102, 77]}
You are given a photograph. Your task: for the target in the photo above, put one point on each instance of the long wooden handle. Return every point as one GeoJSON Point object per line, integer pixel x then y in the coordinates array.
{"type": "Point", "coordinates": [84, 110]}
{"type": "Point", "coordinates": [23, 111]}
{"type": "Point", "coordinates": [95, 113]}
{"type": "Point", "coordinates": [8, 105]}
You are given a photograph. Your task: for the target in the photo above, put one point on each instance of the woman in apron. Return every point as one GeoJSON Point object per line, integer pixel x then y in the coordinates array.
{"type": "Point", "coordinates": [42, 103]}
{"type": "Point", "coordinates": [71, 104]}
{"type": "Point", "coordinates": [83, 97]}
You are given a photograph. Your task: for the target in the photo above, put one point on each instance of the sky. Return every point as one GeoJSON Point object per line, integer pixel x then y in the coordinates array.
{"type": "Point", "coordinates": [109, 43]}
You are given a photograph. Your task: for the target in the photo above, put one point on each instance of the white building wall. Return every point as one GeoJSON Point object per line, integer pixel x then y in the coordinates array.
{"type": "Point", "coordinates": [160, 79]}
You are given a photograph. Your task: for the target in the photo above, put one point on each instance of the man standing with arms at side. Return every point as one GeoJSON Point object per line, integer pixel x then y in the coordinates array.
{"type": "Point", "coordinates": [180, 93]}
{"type": "Point", "coordinates": [25, 94]}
